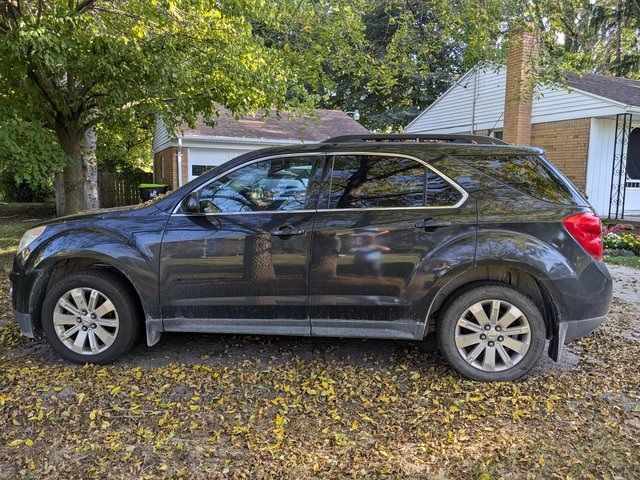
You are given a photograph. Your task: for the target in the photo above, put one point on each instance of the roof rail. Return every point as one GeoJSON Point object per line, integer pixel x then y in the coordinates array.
{"type": "Point", "coordinates": [419, 138]}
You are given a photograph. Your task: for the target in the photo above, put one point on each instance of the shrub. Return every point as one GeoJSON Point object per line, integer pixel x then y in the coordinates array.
{"type": "Point", "coordinates": [619, 228]}
{"type": "Point", "coordinates": [622, 241]}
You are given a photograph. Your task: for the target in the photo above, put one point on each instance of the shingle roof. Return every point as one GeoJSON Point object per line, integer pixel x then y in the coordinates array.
{"type": "Point", "coordinates": [620, 89]}
{"type": "Point", "coordinates": [314, 126]}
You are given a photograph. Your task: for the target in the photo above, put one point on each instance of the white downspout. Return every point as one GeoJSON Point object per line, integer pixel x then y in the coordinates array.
{"type": "Point", "coordinates": [179, 162]}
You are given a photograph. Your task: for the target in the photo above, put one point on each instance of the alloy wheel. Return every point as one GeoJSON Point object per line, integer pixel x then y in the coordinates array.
{"type": "Point", "coordinates": [86, 321]}
{"type": "Point", "coordinates": [492, 335]}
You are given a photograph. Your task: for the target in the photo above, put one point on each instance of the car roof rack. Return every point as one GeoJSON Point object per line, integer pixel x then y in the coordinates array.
{"type": "Point", "coordinates": [419, 138]}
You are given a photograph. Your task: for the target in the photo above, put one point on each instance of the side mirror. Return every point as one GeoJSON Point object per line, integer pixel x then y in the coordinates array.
{"type": "Point", "coordinates": [190, 203]}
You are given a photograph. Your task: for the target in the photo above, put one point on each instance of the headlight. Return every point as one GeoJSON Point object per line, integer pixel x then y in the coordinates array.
{"type": "Point", "coordinates": [29, 236]}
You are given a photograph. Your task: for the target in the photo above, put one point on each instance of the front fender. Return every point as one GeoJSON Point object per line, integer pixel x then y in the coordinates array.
{"type": "Point", "coordinates": [128, 253]}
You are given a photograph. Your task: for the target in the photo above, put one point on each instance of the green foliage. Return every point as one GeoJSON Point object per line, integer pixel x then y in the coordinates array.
{"type": "Point", "coordinates": [125, 147]}
{"type": "Point", "coordinates": [589, 36]}
{"type": "Point", "coordinates": [70, 66]}
{"type": "Point", "coordinates": [389, 59]}
{"type": "Point", "coordinates": [29, 155]}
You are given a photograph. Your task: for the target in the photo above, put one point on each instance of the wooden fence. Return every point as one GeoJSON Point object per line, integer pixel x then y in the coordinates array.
{"type": "Point", "coordinates": [118, 190]}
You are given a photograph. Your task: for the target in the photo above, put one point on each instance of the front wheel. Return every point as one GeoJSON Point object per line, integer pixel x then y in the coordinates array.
{"type": "Point", "coordinates": [90, 317]}
{"type": "Point", "coordinates": [491, 333]}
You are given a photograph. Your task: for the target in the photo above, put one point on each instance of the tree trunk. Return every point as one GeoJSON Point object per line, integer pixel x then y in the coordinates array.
{"type": "Point", "coordinates": [77, 184]}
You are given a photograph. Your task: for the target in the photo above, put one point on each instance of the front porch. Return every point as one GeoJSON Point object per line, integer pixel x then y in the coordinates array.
{"type": "Point", "coordinates": [613, 170]}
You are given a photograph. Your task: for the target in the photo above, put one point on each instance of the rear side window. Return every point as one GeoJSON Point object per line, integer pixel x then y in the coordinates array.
{"type": "Point", "coordinates": [526, 173]}
{"type": "Point", "coordinates": [374, 181]}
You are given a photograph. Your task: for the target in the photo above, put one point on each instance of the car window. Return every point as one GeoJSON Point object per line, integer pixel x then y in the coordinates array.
{"type": "Point", "coordinates": [440, 193]}
{"type": "Point", "coordinates": [268, 185]}
{"type": "Point", "coordinates": [525, 173]}
{"type": "Point", "coordinates": [375, 181]}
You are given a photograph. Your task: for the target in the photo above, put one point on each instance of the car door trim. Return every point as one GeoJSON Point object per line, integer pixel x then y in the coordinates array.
{"type": "Point", "coordinates": [458, 204]}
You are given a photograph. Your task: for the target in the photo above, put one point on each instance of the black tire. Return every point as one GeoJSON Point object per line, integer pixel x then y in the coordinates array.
{"type": "Point", "coordinates": [117, 292]}
{"type": "Point", "coordinates": [454, 309]}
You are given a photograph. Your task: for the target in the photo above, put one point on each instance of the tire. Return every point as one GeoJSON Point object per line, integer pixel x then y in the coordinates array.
{"type": "Point", "coordinates": [112, 334]}
{"type": "Point", "coordinates": [462, 325]}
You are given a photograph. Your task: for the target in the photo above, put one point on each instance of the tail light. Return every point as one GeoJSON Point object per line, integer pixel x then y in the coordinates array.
{"type": "Point", "coordinates": [586, 229]}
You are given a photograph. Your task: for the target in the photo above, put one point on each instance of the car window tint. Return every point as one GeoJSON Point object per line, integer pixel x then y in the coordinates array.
{"type": "Point", "coordinates": [268, 185]}
{"type": "Point", "coordinates": [374, 181]}
{"type": "Point", "coordinates": [369, 181]}
{"type": "Point", "coordinates": [525, 173]}
{"type": "Point", "coordinates": [440, 193]}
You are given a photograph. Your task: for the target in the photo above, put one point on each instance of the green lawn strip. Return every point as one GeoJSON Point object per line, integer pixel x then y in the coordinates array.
{"type": "Point", "coordinates": [627, 261]}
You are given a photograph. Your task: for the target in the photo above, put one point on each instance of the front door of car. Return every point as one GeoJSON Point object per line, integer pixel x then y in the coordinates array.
{"type": "Point", "coordinates": [240, 262]}
{"type": "Point", "coordinates": [380, 219]}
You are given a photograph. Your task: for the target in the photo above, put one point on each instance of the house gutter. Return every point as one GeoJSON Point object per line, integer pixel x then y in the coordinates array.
{"type": "Point", "coordinates": [243, 140]}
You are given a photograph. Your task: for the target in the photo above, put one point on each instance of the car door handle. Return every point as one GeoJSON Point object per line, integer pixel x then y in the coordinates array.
{"type": "Point", "coordinates": [287, 230]}
{"type": "Point", "coordinates": [429, 224]}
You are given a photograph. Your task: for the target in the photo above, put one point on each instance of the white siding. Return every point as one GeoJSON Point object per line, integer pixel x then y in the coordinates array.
{"type": "Point", "coordinates": [599, 163]}
{"type": "Point", "coordinates": [161, 138]}
{"type": "Point", "coordinates": [553, 105]}
{"type": "Point", "coordinates": [452, 112]}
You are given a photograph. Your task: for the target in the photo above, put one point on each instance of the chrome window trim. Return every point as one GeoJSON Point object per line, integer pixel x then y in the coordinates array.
{"type": "Point", "coordinates": [458, 204]}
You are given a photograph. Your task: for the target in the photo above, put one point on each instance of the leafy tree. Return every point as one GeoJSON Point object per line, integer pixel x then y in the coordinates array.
{"type": "Point", "coordinates": [72, 66]}
{"type": "Point", "coordinates": [590, 36]}
{"type": "Point", "coordinates": [392, 58]}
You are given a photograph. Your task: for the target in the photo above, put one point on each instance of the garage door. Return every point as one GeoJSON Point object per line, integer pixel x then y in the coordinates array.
{"type": "Point", "coordinates": [203, 159]}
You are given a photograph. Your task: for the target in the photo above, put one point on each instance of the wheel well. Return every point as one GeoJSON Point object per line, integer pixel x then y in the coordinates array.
{"type": "Point", "coordinates": [62, 268]}
{"type": "Point", "coordinates": [519, 280]}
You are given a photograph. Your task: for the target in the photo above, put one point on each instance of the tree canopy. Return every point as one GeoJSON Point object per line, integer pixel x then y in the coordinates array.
{"type": "Point", "coordinates": [69, 66]}
{"type": "Point", "coordinates": [74, 69]}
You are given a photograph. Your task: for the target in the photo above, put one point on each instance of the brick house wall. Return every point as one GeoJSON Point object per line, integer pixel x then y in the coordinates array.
{"type": "Point", "coordinates": [169, 157]}
{"type": "Point", "coordinates": [566, 144]}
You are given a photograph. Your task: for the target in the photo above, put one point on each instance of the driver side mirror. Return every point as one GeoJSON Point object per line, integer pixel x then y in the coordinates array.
{"type": "Point", "coordinates": [190, 203]}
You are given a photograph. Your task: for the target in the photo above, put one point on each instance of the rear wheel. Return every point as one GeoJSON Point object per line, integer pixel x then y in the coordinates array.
{"type": "Point", "coordinates": [91, 317]}
{"type": "Point", "coordinates": [491, 333]}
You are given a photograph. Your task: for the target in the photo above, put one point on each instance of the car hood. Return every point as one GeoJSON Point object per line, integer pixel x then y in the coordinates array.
{"type": "Point", "coordinates": [106, 213]}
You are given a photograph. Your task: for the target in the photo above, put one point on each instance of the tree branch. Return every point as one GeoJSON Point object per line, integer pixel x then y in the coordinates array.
{"type": "Point", "coordinates": [84, 5]}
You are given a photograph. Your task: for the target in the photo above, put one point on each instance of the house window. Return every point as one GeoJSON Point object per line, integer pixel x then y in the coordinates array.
{"type": "Point", "coordinates": [633, 155]}
{"type": "Point", "coordinates": [496, 134]}
{"type": "Point", "coordinates": [197, 170]}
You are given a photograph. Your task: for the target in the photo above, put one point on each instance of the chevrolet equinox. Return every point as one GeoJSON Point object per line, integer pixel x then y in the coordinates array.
{"type": "Point", "coordinates": [484, 244]}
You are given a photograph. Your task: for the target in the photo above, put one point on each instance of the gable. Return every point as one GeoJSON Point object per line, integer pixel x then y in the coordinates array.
{"type": "Point", "coordinates": [453, 111]}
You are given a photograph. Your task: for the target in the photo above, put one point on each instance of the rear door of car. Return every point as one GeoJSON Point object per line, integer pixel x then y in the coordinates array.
{"type": "Point", "coordinates": [379, 217]}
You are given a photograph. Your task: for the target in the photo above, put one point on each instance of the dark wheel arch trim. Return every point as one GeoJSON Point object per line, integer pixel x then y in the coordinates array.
{"type": "Point", "coordinates": [536, 289]}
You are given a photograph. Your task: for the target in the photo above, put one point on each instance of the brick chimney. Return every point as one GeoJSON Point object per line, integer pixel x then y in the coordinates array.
{"type": "Point", "coordinates": [518, 99]}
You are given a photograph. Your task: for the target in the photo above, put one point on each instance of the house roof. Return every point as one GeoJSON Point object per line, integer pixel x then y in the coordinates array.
{"type": "Point", "coordinates": [624, 90]}
{"type": "Point", "coordinates": [314, 126]}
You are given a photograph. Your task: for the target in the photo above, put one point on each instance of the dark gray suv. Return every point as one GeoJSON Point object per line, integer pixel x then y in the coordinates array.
{"type": "Point", "coordinates": [482, 243]}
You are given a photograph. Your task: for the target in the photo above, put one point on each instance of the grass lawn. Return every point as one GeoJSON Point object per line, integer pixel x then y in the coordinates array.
{"type": "Point", "coordinates": [222, 406]}
{"type": "Point", "coordinates": [628, 261]}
